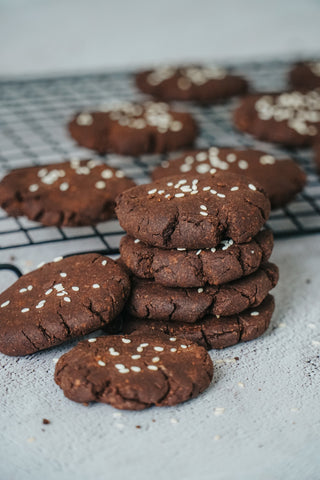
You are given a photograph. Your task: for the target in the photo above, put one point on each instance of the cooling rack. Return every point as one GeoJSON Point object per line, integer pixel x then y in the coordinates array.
{"type": "Point", "coordinates": [33, 116]}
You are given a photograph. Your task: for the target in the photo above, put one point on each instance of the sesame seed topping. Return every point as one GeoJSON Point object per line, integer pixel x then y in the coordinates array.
{"type": "Point", "coordinates": [22, 290]}
{"type": "Point", "coordinates": [136, 369]}
{"type": "Point", "coordinates": [63, 274]}
{"type": "Point", "coordinates": [144, 345]}
{"type": "Point", "coordinates": [135, 357]}
{"type": "Point", "coordinates": [200, 290]}
{"type": "Point", "coordinates": [152, 367]}
{"type": "Point", "coordinates": [158, 349]}
{"type": "Point", "coordinates": [104, 262]}
{"type": "Point", "coordinates": [84, 119]}
{"type": "Point", "coordinates": [101, 363]}
{"type": "Point", "coordinates": [170, 184]}
{"type": "Point", "coordinates": [114, 353]}
{"type": "Point", "coordinates": [205, 214]}
{"type": "Point", "coordinates": [4, 304]}
{"type": "Point", "coordinates": [179, 195]}
{"type": "Point", "coordinates": [254, 314]}
{"type": "Point", "coordinates": [172, 339]}
{"type": "Point", "coordinates": [119, 174]}
{"type": "Point", "coordinates": [156, 359]}
{"type": "Point", "coordinates": [67, 299]}
{"type": "Point", "coordinates": [183, 346]}
{"type": "Point", "coordinates": [100, 184]}
{"type": "Point", "coordinates": [49, 291]}
{"type": "Point", "coordinates": [33, 188]}
{"type": "Point", "coordinates": [198, 252]}
{"type": "Point", "coordinates": [243, 164]}
{"type": "Point", "coordinates": [124, 370]}
{"type": "Point", "coordinates": [139, 349]}
{"type": "Point", "coordinates": [64, 186]}
{"type": "Point", "coordinates": [234, 189]}
{"type": "Point", "coordinates": [96, 285]}
{"type": "Point", "coordinates": [29, 287]}
{"type": "Point", "coordinates": [75, 289]}
{"type": "Point", "coordinates": [181, 249]}
{"type": "Point", "coordinates": [173, 350]}
{"type": "Point", "coordinates": [126, 340]}
{"type": "Point", "coordinates": [203, 207]}
{"type": "Point", "coordinates": [41, 304]}
{"type": "Point", "coordinates": [252, 187]}
{"type": "Point", "coordinates": [151, 192]}
{"type": "Point", "coordinates": [25, 310]}
{"type": "Point", "coordinates": [120, 366]}
{"type": "Point", "coordinates": [213, 250]}
{"type": "Point", "coordinates": [219, 411]}
{"type": "Point", "coordinates": [206, 189]}
{"type": "Point", "coordinates": [213, 192]}
{"type": "Point", "coordinates": [221, 195]}
{"type": "Point", "coordinates": [92, 340]}
{"type": "Point", "coordinates": [58, 259]}
{"type": "Point", "coordinates": [107, 173]}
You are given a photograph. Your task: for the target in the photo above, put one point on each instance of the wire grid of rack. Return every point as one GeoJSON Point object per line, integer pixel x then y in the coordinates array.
{"type": "Point", "coordinates": [33, 118]}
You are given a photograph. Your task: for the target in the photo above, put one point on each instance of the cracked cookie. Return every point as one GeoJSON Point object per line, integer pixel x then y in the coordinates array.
{"type": "Point", "coordinates": [282, 179]}
{"type": "Point", "coordinates": [133, 129]}
{"type": "Point", "coordinates": [289, 118]}
{"type": "Point", "coordinates": [305, 75]}
{"type": "Point", "coordinates": [149, 300]}
{"type": "Point", "coordinates": [211, 332]}
{"type": "Point", "coordinates": [134, 373]}
{"type": "Point", "coordinates": [196, 268]}
{"type": "Point", "coordinates": [78, 192]}
{"type": "Point", "coordinates": [59, 301]}
{"type": "Point", "coordinates": [203, 84]}
{"type": "Point", "coordinates": [194, 211]}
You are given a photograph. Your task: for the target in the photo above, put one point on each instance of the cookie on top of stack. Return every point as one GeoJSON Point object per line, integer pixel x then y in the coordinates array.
{"type": "Point", "coordinates": [198, 258]}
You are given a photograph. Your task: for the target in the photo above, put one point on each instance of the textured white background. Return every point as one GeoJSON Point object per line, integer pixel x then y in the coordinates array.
{"type": "Point", "coordinates": [270, 426]}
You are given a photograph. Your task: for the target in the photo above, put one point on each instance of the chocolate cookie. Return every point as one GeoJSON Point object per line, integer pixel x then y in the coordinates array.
{"type": "Point", "coordinates": [202, 84]}
{"type": "Point", "coordinates": [134, 129]}
{"type": "Point", "coordinates": [282, 179]}
{"type": "Point", "coordinates": [194, 211]}
{"type": "Point", "coordinates": [149, 300]}
{"type": "Point", "coordinates": [305, 75]}
{"type": "Point", "coordinates": [134, 372]}
{"type": "Point", "coordinates": [290, 118]}
{"type": "Point", "coordinates": [79, 192]}
{"type": "Point", "coordinates": [212, 331]}
{"type": "Point", "coordinates": [61, 300]}
{"type": "Point", "coordinates": [195, 268]}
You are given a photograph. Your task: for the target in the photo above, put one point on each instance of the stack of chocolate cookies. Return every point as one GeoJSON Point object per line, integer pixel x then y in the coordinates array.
{"type": "Point", "coordinates": [198, 258]}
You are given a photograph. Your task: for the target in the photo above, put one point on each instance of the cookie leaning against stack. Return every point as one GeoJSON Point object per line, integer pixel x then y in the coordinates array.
{"type": "Point", "coordinates": [188, 236]}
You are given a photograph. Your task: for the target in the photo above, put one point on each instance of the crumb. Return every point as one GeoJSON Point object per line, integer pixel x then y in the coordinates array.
{"type": "Point", "coordinates": [85, 404]}
{"type": "Point", "coordinates": [153, 420]}
{"type": "Point", "coordinates": [216, 437]}
{"type": "Point", "coordinates": [138, 426]}
{"type": "Point", "coordinates": [237, 359]}
{"type": "Point", "coordinates": [30, 439]}
{"type": "Point", "coordinates": [45, 421]}
{"type": "Point", "coordinates": [12, 258]}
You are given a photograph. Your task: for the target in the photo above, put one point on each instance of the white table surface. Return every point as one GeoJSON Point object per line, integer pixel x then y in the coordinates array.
{"type": "Point", "coordinates": [270, 426]}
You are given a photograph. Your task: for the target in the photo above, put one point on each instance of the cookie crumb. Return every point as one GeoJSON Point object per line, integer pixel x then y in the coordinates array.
{"type": "Point", "coordinates": [138, 426]}
{"type": "Point", "coordinates": [85, 404]}
{"type": "Point", "coordinates": [45, 421]}
{"type": "Point", "coordinates": [237, 359]}
{"type": "Point", "coordinates": [30, 439]}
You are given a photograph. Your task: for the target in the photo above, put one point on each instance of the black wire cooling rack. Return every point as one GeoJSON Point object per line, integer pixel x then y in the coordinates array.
{"type": "Point", "coordinates": [33, 118]}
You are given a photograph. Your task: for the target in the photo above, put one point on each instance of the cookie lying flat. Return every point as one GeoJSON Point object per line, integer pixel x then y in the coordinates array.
{"type": "Point", "coordinates": [202, 84]}
{"type": "Point", "coordinates": [194, 211]}
{"type": "Point", "coordinates": [134, 373]}
{"type": "Point", "coordinates": [79, 192]}
{"type": "Point", "coordinates": [196, 268]}
{"type": "Point", "coordinates": [211, 332]}
{"type": "Point", "coordinates": [149, 300]}
{"type": "Point", "coordinates": [282, 179]}
{"type": "Point", "coordinates": [61, 300]}
{"type": "Point", "coordinates": [305, 75]}
{"type": "Point", "coordinates": [290, 118]}
{"type": "Point", "coordinates": [134, 129]}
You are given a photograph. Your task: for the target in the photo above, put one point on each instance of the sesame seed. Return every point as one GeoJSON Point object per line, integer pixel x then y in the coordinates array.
{"type": "Point", "coordinates": [206, 189]}
{"type": "Point", "coordinates": [66, 299]}
{"type": "Point", "coordinates": [252, 187]}
{"type": "Point", "coordinates": [96, 285]}
{"type": "Point", "coordinates": [219, 411]}
{"type": "Point", "coordinates": [104, 262]}
{"type": "Point", "coordinates": [92, 340]}
{"type": "Point", "coordinates": [234, 189]}
{"type": "Point", "coordinates": [156, 359]}
{"type": "Point", "coordinates": [181, 249]}
{"type": "Point", "coordinates": [136, 369]}
{"type": "Point", "coordinates": [124, 370]}
{"type": "Point", "coordinates": [170, 184]}
{"type": "Point", "coordinates": [63, 274]}
{"type": "Point", "coordinates": [173, 350]}
{"type": "Point", "coordinates": [139, 349]}
{"type": "Point", "coordinates": [75, 289]}
{"type": "Point", "coordinates": [33, 188]}
{"type": "Point", "coordinates": [114, 353]}
{"type": "Point", "coordinates": [58, 259]}
{"type": "Point", "coordinates": [84, 119]}
{"type": "Point", "coordinates": [213, 171]}
{"type": "Point", "coordinates": [243, 164]}
{"type": "Point", "coordinates": [49, 291]}
{"type": "Point", "coordinates": [101, 363]}
{"type": "Point", "coordinates": [213, 192]}
{"type": "Point", "coordinates": [240, 384]}
{"type": "Point", "coordinates": [119, 366]}
{"type": "Point", "coordinates": [144, 345]}
{"type": "Point", "coordinates": [25, 310]}
{"type": "Point", "coordinates": [172, 339]}
{"type": "Point", "coordinates": [4, 304]}
{"type": "Point", "coordinates": [135, 357]}
{"type": "Point", "coordinates": [64, 186]}
{"type": "Point", "coordinates": [22, 290]}
{"type": "Point", "coordinates": [213, 250]}
{"type": "Point", "coordinates": [160, 192]}
{"type": "Point", "coordinates": [203, 207]}
{"type": "Point", "coordinates": [254, 314]}
{"type": "Point", "coordinates": [205, 214]}
{"type": "Point", "coordinates": [55, 360]}
{"type": "Point", "coordinates": [152, 367]}
{"type": "Point", "coordinates": [179, 195]}
{"type": "Point", "coordinates": [221, 195]}
{"type": "Point", "coordinates": [158, 349]}
{"type": "Point", "coordinates": [100, 184]}
{"type": "Point", "coordinates": [126, 340]}
{"type": "Point", "coordinates": [107, 173]}
{"type": "Point", "coordinates": [183, 346]}
{"type": "Point", "coordinates": [198, 252]}
{"type": "Point", "coordinates": [151, 192]}
{"type": "Point", "coordinates": [200, 290]}
{"type": "Point", "coordinates": [40, 265]}
{"type": "Point", "coordinates": [217, 437]}
{"type": "Point", "coordinates": [41, 304]}
{"type": "Point", "coordinates": [194, 192]}
{"type": "Point", "coordinates": [29, 287]}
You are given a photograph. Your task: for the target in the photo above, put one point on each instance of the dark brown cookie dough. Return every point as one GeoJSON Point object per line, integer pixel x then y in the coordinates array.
{"type": "Point", "coordinates": [134, 372]}
{"type": "Point", "coordinates": [282, 179]}
{"type": "Point", "coordinates": [78, 192]}
{"type": "Point", "coordinates": [202, 84]}
{"type": "Point", "coordinates": [63, 299]}
{"type": "Point", "coordinates": [289, 118]}
{"type": "Point", "coordinates": [186, 211]}
{"type": "Point", "coordinates": [195, 268]}
{"type": "Point", "coordinates": [305, 75]}
{"type": "Point", "coordinates": [134, 129]}
{"type": "Point", "coordinates": [149, 300]}
{"type": "Point", "coordinates": [211, 332]}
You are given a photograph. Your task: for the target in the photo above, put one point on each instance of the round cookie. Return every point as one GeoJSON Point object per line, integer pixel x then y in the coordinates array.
{"type": "Point", "coordinates": [193, 212]}
{"type": "Point", "coordinates": [282, 179]}
{"type": "Point", "coordinates": [134, 129]}
{"type": "Point", "coordinates": [305, 75]}
{"type": "Point", "coordinates": [79, 192]}
{"type": "Point", "coordinates": [211, 332]}
{"type": "Point", "coordinates": [134, 372]}
{"type": "Point", "coordinates": [149, 300]}
{"type": "Point", "coordinates": [202, 84]}
{"type": "Point", "coordinates": [196, 268]}
{"type": "Point", "coordinates": [60, 301]}
{"type": "Point", "coordinates": [289, 118]}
